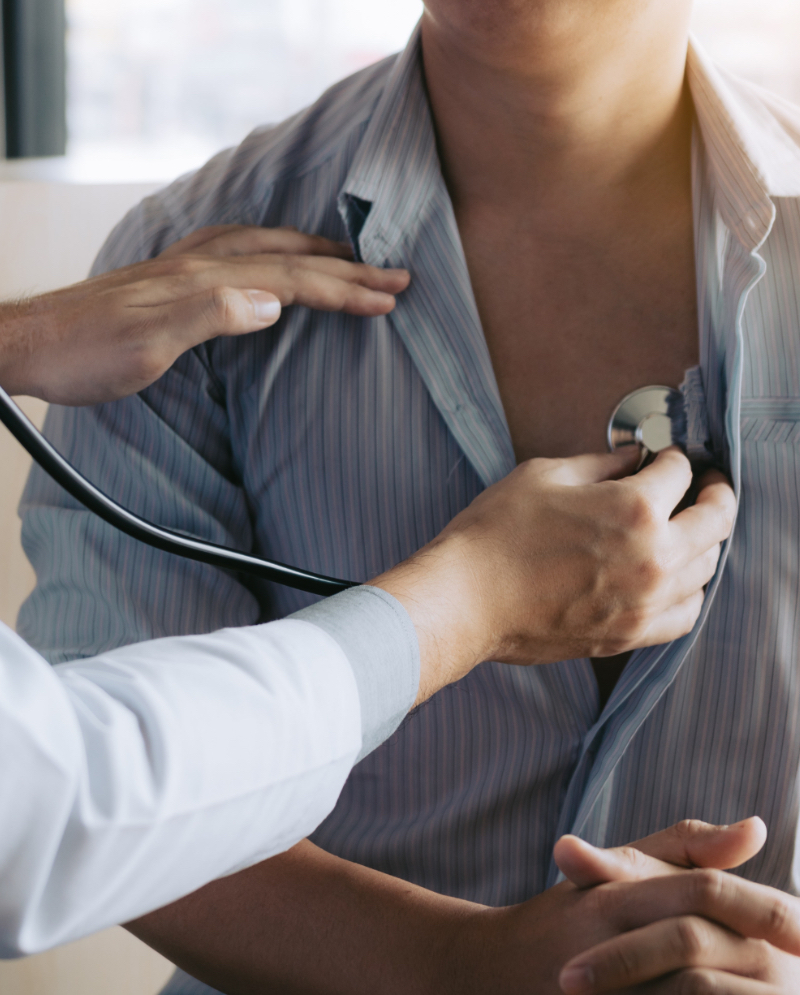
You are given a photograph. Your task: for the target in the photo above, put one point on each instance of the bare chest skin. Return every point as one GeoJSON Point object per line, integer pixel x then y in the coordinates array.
{"type": "Point", "coordinates": [575, 323]}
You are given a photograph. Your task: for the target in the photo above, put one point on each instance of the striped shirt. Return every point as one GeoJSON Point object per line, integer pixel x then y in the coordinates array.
{"type": "Point", "coordinates": [343, 444]}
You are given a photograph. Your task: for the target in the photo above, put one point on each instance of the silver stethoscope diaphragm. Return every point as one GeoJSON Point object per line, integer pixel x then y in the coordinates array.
{"type": "Point", "coordinates": [645, 418]}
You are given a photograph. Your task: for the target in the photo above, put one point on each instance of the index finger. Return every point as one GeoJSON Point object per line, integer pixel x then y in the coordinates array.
{"type": "Point", "coordinates": [197, 238]}
{"type": "Point", "coordinates": [250, 240]}
{"type": "Point", "coordinates": [750, 909]}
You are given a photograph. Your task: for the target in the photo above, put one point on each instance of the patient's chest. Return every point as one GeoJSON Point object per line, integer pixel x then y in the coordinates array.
{"type": "Point", "coordinates": [349, 466]}
{"type": "Point", "coordinates": [572, 328]}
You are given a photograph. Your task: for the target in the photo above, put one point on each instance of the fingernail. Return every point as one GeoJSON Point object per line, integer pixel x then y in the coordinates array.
{"type": "Point", "coordinates": [577, 980]}
{"type": "Point", "coordinates": [265, 307]}
{"type": "Point", "coordinates": [383, 302]}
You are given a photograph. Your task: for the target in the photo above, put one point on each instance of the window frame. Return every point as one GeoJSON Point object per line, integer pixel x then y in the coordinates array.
{"type": "Point", "coordinates": [34, 68]}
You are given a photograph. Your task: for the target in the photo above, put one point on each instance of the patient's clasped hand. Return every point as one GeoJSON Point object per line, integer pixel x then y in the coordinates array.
{"type": "Point", "coordinates": [660, 908]}
{"type": "Point", "coordinates": [664, 907]}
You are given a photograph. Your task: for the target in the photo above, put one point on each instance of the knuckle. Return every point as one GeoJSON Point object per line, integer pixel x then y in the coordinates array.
{"type": "Point", "coordinates": [708, 885]}
{"type": "Point", "coordinates": [779, 918]}
{"type": "Point", "coordinates": [293, 266]}
{"type": "Point", "coordinates": [692, 939]}
{"type": "Point", "coordinates": [555, 469]}
{"type": "Point", "coordinates": [634, 857]}
{"type": "Point", "coordinates": [720, 525]}
{"type": "Point", "coordinates": [604, 900]}
{"type": "Point", "coordinates": [349, 294]}
{"type": "Point", "coordinates": [651, 573]}
{"type": "Point", "coordinates": [727, 509]}
{"type": "Point", "coordinates": [711, 558]}
{"type": "Point", "coordinates": [222, 307]}
{"type": "Point", "coordinates": [697, 981]}
{"type": "Point", "coordinates": [694, 606]}
{"type": "Point", "coordinates": [624, 631]}
{"type": "Point", "coordinates": [640, 513]}
{"type": "Point", "coordinates": [182, 267]}
{"type": "Point", "coordinates": [760, 953]}
{"type": "Point", "coordinates": [637, 864]}
{"type": "Point", "coordinates": [689, 829]}
{"type": "Point", "coordinates": [151, 357]}
{"type": "Point", "coordinates": [527, 476]}
{"type": "Point", "coordinates": [365, 272]}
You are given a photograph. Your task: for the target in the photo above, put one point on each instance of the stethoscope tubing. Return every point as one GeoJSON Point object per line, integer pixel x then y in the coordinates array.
{"type": "Point", "coordinates": [65, 474]}
{"type": "Point", "coordinates": [623, 422]}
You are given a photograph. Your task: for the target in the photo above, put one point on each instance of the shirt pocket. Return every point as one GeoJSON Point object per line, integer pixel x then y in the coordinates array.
{"type": "Point", "coordinates": [773, 421]}
{"type": "Point", "coordinates": [763, 568]}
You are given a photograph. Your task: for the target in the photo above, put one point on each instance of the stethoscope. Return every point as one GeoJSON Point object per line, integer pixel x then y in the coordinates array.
{"type": "Point", "coordinates": [645, 418]}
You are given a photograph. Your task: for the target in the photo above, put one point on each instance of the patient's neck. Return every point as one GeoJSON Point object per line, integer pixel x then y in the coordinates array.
{"type": "Point", "coordinates": [552, 100]}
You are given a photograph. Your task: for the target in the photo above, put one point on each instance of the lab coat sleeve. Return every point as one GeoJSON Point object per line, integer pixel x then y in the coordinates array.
{"type": "Point", "coordinates": [135, 777]}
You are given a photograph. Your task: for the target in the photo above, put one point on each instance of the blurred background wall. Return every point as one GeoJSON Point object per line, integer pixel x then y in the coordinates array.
{"type": "Point", "coordinates": [153, 88]}
{"type": "Point", "coordinates": [180, 79]}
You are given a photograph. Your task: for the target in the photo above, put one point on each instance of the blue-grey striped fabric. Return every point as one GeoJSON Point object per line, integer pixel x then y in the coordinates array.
{"type": "Point", "coordinates": [344, 444]}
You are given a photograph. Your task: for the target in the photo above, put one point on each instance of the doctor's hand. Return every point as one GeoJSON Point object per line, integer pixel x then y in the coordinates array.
{"type": "Point", "coordinates": [743, 938]}
{"type": "Point", "coordinates": [115, 334]}
{"type": "Point", "coordinates": [564, 559]}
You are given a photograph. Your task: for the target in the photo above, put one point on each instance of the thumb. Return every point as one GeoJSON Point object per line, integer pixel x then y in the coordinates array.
{"type": "Point", "coordinates": [220, 311]}
{"type": "Point", "coordinates": [687, 844]}
{"type": "Point", "coordinates": [692, 843]}
{"type": "Point", "coordinates": [593, 468]}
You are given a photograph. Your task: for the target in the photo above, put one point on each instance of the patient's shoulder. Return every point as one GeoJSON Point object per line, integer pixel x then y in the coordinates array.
{"type": "Point", "coordinates": [238, 185]}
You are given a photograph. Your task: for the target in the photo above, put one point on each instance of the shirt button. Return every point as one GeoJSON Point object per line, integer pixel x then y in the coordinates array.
{"type": "Point", "coordinates": [751, 221]}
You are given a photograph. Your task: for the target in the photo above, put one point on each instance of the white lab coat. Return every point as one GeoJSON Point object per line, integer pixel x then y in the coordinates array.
{"type": "Point", "coordinates": [133, 778]}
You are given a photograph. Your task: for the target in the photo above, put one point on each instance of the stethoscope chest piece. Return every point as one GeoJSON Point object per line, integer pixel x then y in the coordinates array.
{"type": "Point", "coordinates": [645, 418]}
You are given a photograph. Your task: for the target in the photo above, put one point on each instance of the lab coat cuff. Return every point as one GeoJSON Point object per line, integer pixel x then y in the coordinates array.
{"type": "Point", "coordinates": [380, 642]}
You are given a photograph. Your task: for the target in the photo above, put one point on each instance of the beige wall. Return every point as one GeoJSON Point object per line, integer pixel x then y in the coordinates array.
{"type": "Point", "coordinates": [50, 233]}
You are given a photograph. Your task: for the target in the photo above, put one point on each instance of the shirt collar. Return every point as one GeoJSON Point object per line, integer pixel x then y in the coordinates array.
{"type": "Point", "coordinates": [398, 211]}
{"type": "Point", "coordinates": [396, 168]}
{"type": "Point", "coordinates": [752, 138]}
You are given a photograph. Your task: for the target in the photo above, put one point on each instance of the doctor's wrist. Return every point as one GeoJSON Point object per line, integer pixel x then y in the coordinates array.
{"type": "Point", "coordinates": [439, 590]}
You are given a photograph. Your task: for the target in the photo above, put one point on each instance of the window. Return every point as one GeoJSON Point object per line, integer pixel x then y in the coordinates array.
{"type": "Point", "coordinates": [180, 79]}
{"type": "Point", "coordinates": [758, 39]}
{"type": "Point", "coordinates": [175, 80]}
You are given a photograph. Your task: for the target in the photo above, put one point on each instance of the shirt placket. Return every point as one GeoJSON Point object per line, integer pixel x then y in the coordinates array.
{"type": "Point", "coordinates": [589, 807]}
